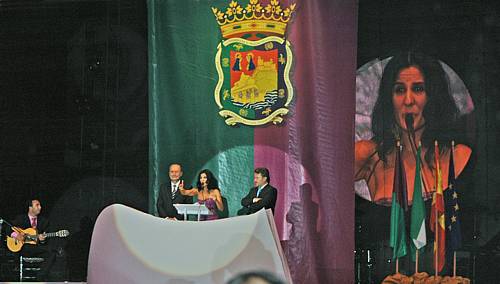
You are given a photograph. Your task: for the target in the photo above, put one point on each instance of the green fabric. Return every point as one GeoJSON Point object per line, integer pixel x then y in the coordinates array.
{"type": "Point", "coordinates": [417, 229]}
{"type": "Point", "coordinates": [398, 232]}
{"type": "Point", "coordinates": [185, 126]}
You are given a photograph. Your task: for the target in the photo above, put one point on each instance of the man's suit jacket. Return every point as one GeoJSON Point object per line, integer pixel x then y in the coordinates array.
{"type": "Point", "coordinates": [268, 194]}
{"type": "Point", "coordinates": [23, 222]}
{"type": "Point", "coordinates": [166, 201]}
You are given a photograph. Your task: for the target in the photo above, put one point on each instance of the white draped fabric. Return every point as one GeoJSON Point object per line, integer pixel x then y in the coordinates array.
{"type": "Point", "coordinates": [129, 246]}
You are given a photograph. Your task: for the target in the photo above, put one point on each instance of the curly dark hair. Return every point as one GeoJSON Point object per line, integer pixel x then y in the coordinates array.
{"type": "Point", "coordinates": [440, 111]}
{"type": "Point", "coordinates": [212, 182]}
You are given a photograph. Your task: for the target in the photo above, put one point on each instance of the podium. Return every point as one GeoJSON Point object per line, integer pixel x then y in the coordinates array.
{"type": "Point", "coordinates": [118, 252]}
{"type": "Point", "coordinates": [193, 209]}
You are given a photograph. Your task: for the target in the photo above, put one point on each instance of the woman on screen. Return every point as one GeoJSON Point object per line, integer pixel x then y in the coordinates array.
{"type": "Point", "coordinates": [413, 90]}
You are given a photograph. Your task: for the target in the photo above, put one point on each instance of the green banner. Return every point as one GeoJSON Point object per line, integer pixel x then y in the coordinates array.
{"type": "Point", "coordinates": [184, 123]}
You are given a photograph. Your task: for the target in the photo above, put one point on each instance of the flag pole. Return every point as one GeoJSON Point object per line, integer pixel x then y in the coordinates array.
{"type": "Point", "coordinates": [436, 242]}
{"type": "Point", "coordinates": [416, 250]}
{"type": "Point", "coordinates": [398, 144]}
{"type": "Point", "coordinates": [397, 265]}
{"type": "Point", "coordinates": [454, 264]}
{"type": "Point", "coordinates": [454, 252]}
{"type": "Point", "coordinates": [416, 261]}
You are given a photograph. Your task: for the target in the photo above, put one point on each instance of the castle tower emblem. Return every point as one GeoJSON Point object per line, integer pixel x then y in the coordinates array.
{"type": "Point", "coordinates": [253, 62]}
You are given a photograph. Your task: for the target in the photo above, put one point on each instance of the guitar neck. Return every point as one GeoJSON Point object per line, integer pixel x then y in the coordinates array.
{"type": "Point", "coordinates": [50, 235]}
{"type": "Point", "coordinates": [32, 235]}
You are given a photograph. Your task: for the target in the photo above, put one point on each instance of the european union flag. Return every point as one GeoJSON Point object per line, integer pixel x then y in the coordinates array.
{"type": "Point", "coordinates": [452, 220]}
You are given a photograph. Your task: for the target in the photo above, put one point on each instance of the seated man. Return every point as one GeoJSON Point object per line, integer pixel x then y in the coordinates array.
{"type": "Point", "coordinates": [263, 195]}
{"type": "Point", "coordinates": [33, 220]}
{"type": "Point", "coordinates": [170, 194]}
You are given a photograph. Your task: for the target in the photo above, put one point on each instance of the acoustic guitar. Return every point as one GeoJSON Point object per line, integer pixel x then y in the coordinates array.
{"type": "Point", "coordinates": [31, 237]}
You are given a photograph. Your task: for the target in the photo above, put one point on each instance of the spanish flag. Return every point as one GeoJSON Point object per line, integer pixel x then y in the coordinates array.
{"type": "Point", "coordinates": [437, 220]}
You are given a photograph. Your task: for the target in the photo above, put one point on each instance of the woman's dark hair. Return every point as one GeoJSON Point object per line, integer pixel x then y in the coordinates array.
{"type": "Point", "coordinates": [440, 112]}
{"type": "Point", "coordinates": [265, 276]}
{"type": "Point", "coordinates": [263, 172]}
{"type": "Point", "coordinates": [212, 182]}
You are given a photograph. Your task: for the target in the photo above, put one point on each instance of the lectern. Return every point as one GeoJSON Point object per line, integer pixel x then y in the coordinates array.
{"type": "Point", "coordinates": [192, 209]}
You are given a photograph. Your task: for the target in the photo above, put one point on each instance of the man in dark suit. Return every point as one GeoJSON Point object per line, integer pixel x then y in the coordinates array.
{"type": "Point", "coordinates": [263, 195]}
{"type": "Point", "coordinates": [170, 194]}
{"type": "Point", "coordinates": [41, 249]}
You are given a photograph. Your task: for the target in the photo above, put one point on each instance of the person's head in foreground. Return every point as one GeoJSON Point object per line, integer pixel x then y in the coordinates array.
{"type": "Point", "coordinates": [256, 277]}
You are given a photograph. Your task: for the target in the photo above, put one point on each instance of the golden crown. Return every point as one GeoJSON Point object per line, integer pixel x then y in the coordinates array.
{"type": "Point", "coordinates": [237, 20]}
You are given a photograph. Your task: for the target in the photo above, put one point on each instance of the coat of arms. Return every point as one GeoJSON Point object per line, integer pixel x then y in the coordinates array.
{"type": "Point", "coordinates": [253, 62]}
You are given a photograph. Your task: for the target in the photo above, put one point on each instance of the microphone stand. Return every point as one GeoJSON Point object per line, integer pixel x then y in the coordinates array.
{"type": "Point", "coordinates": [9, 224]}
{"type": "Point", "coordinates": [411, 134]}
{"type": "Point", "coordinates": [4, 221]}
{"type": "Point", "coordinates": [413, 143]}
{"type": "Point", "coordinates": [411, 137]}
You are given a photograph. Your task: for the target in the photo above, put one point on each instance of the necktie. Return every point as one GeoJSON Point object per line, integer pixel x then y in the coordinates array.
{"type": "Point", "coordinates": [174, 190]}
{"type": "Point", "coordinates": [33, 222]}
{"type": "Point", "coordinates": [258, 191]}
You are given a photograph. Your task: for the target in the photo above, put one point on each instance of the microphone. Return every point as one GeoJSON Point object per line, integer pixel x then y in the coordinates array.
{"type": "Point", "coordinates": [409, 122]}
{"type": "Point", "coordinates": [409, 125]}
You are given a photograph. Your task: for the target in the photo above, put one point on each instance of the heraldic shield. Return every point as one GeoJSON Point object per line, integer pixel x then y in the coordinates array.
{"type": "Point", "coordinates": [253, 63]}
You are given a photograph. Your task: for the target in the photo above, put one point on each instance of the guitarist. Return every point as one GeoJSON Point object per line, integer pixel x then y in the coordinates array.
{"type": "Point", "coordinates": [41, 224]}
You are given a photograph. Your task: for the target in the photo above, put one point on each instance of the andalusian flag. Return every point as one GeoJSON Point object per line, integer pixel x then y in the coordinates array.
{"type": "Point", "coordinates": [437, 211]}
{"type": "Point", "coordinates": [417, 229]}
{"type": "Point", "coordinates": [398, 228]}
